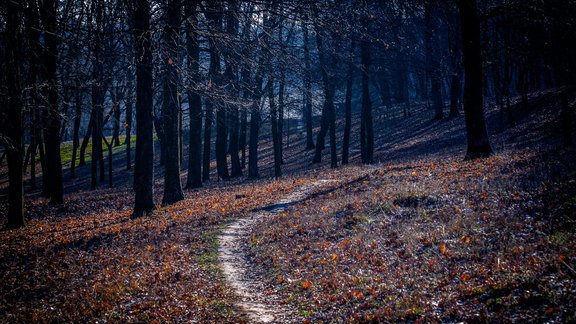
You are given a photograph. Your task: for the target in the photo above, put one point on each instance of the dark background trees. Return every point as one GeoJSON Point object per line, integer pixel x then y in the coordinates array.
{"type": "Point", "coordinates": [217, 79]}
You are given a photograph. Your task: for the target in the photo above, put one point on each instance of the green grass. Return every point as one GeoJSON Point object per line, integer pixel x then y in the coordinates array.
{"type": "Point", "coordinates": [66, 149]}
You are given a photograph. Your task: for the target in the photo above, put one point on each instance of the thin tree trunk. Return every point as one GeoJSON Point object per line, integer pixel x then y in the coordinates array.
{"type": "Point", "coordinates": [110, 166]}
{"type": "Point", "coordinates": [477, 136]}
{"type": "Point", "coordinates": [274, 123]}
{"type": "Point", "coordinates": [64, 112]}
{"type": "Point", "coordinates": [281, 105]}
{"type": "Point", "coordinates": [348, 107]}
{"type": "Point", "coordinates": [13, 129]}
{"type": "Point", "coordinates": [85, 141]}
{"type": "Point", "coordinates": [116, 120]}
{"type": "Point", "coordinates": [255, 121]}
{"type": "Point", "coordinates": [454, 94]}
{"type": "Point", "coordinates": [170, 107]}
{"type": "Point", "coordinates": [144, 160]}
{"type": "Point", "coordinates": [48, 12]}
{"type": "Point", "coordinates": [367, 129]}
{"type": "Point", "coordinates": [128, 124]}
{"type": "Point", "coordinates": [307, 90]}
{"type": "Point", "coordinates": [207, 140]}
{"type": "Point", "coordinates": [231, 59]}
{"type": "Point", "coordinates": [432, 64]}
{"type": "Point", "coordinates": [215, 23]}
{"type": "Point", "coordinates": [328, 110]}
{"type": "Point", "coordinates": [194, 179]}
{"type": "Point", "coordinates": [76, 131]}
{"type": "Point", "coordinates": [243, 134]}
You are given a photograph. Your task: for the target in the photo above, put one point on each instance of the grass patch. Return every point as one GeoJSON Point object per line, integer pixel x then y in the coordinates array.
{"type": "Point", "coordinates": [67, 147]}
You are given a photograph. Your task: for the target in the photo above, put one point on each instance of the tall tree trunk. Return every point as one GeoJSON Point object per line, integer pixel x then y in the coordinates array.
{"type": "Point", "coordinates": [128, 124]}
{"type": "Point", "coordinates": [231, 62]}
{"type": "Point", "coordinates": [215, 25]}
{"type": "Point", "coordinates": [274, 123]}
{"type": "Point", "coordinates": [348, 107]}
{"type": "Point", "coordinates": [208, 113]}
{"type": "Point", "coordinates": [328, 110]}
{"type": "Point", "coordinates": [307, 90]}
{"type": "Point", "coordinates": [65, 103]}
{"type": "Point", "coordinates": [48, 12]}
{"type": "Point", "coordinates": [34, 149]}
{"type": "Point", "coordinates": [194, 179]}
{"type": "Point", "coordinates": [243, 134]}
{"type": "Point", "coordinates": [85, 141]}
{"type": "Point", "coordinates": [144, 159]}
{"type": "Point", "coordinates": [255, 121]}
{"type": "Point", "coordinates": [98, 97]}
{"type": "Point", "coordinates": [454, 94]}
{"type": "Point", "coordinates": [160, 134]}
{"type": "Point", "coordinates": [236, 166]}
{"type": "Point", "coordinates": [109, 147]}
{"type": "Point", "coordinates": [367, 128]}
{"type": "Point", "coordinates": [455, 64]}
{"type": "Point", "coordinates": [98, 119]}
{"type": "Point", "coordinates": [281, 105]}
{"type": "Point", "coordinates": [433, 60]}
{"type": "Point", "coordinates": [14, 115]}
{"type": "Point", "coordinates": [33, 32]}
{"type": "Point", "coordinates": [171, 106]}
{"type": "Point", "coordinates": [76, 131]}
{"type": "Point", "coordinates": [477, 135]}
{"type": "Point", "coordinates": [116, 118]}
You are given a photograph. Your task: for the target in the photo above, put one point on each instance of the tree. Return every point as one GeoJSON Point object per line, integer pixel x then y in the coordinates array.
{"type": "Point", "coordinates": [13, 113]}
{"type": "Point", "coordinates": [366, 127]}
{"type": "Point", "coordinates": [478, 143]}
{"type": "Point", "coordinates": [230, 60]}
{"type": "Point", "coordinates": [48, 12]}
{"type": "Point", "coordinates": [171, 105]}
{"type": "Point", "coordinates": [143, 162]}
{"type": "Point", "coordinates": [328, 118]}
{"type": "Point", "coordinates": [433, 58]}
{"type": "Point", "coordinates": [307, 87]}
{"type": "Point", "coordinates": [98, 95]}
{"type": "Point", "coordinates": [348, 107]}
{"type": "Point", "coordinates": [194, 179]}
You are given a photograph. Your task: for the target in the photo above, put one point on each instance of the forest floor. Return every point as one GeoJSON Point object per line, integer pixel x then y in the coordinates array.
{"type": "Point", "coordinates": [420, 235]}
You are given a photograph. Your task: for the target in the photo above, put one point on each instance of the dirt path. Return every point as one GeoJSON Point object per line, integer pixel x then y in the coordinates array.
{"type": "Point", "coordinates": [242, 275]}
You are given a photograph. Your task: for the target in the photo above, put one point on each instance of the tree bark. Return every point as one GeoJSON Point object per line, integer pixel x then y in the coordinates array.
{"type": "Point", "coordinates": [328, 110]}
{"type": "Point", "coordinates": [171, 106]}
{"type": "Point", "coordinates": [348, 107]}
{"type": "Point", "coordinates": [208, 113]}
{"type": "Point", "coordinates": [476, 134]}
{"type": "Point", "coordinates": [128, 124]}
{"type": "Point", "coordinates": [14, 115]}
{"type": "Point", "coordinates": [433, 60]}
{"type": "Point", "coordinates": [116, 118]}
{"type": "Point", "coordinates": [76, 131]}
{"type": "Point", "coordinates": [144, 159]}
{"type": "Point", "coordinates": [367, 128]}
{"type": "Point", "coordinates": [255, 121]}
{"type": "Point", "coordinates": [274, 124]}
{"type": "Point", "coordinates": [48, 13]}
{"type": "Point", "coordinates": [85, 141]}
{"type": "Point", "coordinates": [307, 90]}
{"type": "Point", "coordinates": [194, 179]}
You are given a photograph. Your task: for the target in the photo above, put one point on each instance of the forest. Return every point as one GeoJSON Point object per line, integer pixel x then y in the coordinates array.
{"type": "Point", "coordinates": [287, 161]}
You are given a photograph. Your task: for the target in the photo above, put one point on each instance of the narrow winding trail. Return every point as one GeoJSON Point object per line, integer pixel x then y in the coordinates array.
{"type": "Point", "coordinates": [243, 275]}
